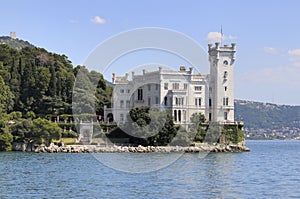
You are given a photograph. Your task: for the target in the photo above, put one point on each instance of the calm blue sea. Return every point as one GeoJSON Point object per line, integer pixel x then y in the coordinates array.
{"type": "Point", "coordinates": [270, 170]}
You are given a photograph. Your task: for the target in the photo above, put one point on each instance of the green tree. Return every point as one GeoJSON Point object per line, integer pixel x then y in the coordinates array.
{"type": "Point", "coordinates": [150, 126]}
{"type": "Point", "coordinates": [197, 128]}
{"type": "Point", "coordinates": [6, 97]}
{"type": "Point", "coordinates": [83, 93]}
{"type": "Point", "coordinates": [21, 131]}
{"type": "Point", "coordinates": [43, 131]}
{"type": "Point", "coordinates": [6, 137]}
{"type": "Point", "coordinates": [182, 137]}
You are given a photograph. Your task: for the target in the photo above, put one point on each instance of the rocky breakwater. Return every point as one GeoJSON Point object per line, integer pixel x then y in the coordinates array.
{"type": "Point", "coordinates": [141, 149]}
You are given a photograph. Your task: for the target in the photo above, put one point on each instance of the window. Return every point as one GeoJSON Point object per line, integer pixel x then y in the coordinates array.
{"type": "Point", "coordinates": [156, 100]}
{"type": "Point", "coordinates": [166, 86]}
{"type": "Point", "coordinates": [225, 62]}
{"type": "Point", "coordinates": [175, 86]}
{"type": "Point", "coordinates": [209, 102]}
{"type": "Point", "coordinates": [156, 86]}
{"type": "Point", "coordinates": [128, 91]}
{"type": "Point", "coordinates": [122, 91]}
{"type": "Point", "coordinates": [121, 117]}
{"type": "Point", "coordinates": [179, 100]}
{"type": "Point", "coordinates": [175, 115]}
{"type": "Point", "coordinates": [185, 86]}
{"type": "Point", "coordinates": [179, 115]}
{"type": "Point", "coordinates": [149, 87]}
{"type": "Point", "coordinates": [209, 117]}
{"type": "Point", "coordinates": [225, 101]}
{"type": "Point", "coordinates": [140, 94]}
{"type": "Point", "coordinates": [149, 101]}
{"type": "Point", "coordinates": [166, 101]}
{"type": "Point", "coordinates": [127, 104]}
{"type": "Point", "coordinates": [121, 104]}
{"type": "Point", "coordinates": [198, 101]}
{"type": "Point", "coordinates": [225, 74]}
{"type": "Point", "coordinates": [225, 88]}
{"type": "Point", "coordinates": [225, 115]}
{"type": "Point", "coordinates": [198, 88]}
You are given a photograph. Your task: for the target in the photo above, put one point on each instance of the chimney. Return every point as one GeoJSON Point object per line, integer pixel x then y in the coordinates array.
{"type": "Point", "coordinates": [160, 69]}
{"type": "Point", "coordinates": [233, 45]}
{"type": "Point", "coordinates": [209, 47]}
{"type": "Point", "coordinates": [113, 77]}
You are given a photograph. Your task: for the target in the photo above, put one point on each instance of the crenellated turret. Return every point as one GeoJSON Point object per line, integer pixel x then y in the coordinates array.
{"type": "Point", "coordinates": [221, 89]}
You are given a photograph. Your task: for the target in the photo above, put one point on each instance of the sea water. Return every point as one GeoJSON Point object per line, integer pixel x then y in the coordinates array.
{"type": "Point", "coordinates": [270, 170]}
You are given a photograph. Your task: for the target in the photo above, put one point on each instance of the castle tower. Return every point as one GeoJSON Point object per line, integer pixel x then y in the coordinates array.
{"type": "Point", "coordinates": [221, 82]}
{"type": "Point", "coordinates": [13, 35]}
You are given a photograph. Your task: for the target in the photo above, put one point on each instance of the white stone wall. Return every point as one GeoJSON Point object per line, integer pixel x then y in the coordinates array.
{"type": "Point", "coordinates": [183, 85]}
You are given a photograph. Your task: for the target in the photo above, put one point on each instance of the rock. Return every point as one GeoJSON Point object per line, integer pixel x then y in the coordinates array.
{"type": "Point", "coordinates": [141, 149]}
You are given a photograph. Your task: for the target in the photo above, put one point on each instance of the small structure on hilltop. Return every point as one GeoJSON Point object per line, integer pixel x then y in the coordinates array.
{"type": "Point", "coordinates": [13, 35]}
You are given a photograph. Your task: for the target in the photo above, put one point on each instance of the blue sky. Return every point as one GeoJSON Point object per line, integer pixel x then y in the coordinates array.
{"type": "Point", "coordinates": [267, 34]}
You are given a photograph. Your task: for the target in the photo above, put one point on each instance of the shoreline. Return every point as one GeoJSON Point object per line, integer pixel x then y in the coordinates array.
{"type": "Point", "coordinates": [141, 149]}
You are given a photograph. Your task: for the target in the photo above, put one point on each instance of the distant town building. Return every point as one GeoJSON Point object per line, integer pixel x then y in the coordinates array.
{"type": "Point", "coordinates": [13, 35]}
{"type": "Point", "coordinates": [182, 92]}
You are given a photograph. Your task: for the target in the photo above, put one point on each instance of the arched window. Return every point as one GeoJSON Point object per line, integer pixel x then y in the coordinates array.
{"type": "Point", "coordinates": [179, 115]}
{"type": "Point", "coordinates": [166, 101]}
{"type": "Point", "coordinates": [175, 115]}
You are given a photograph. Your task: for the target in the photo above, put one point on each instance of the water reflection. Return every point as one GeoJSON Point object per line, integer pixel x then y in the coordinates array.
{"type": "Point", "coordinates": [218, 171]}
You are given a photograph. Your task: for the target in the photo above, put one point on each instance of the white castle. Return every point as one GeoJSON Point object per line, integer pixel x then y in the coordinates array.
{"type": "Point", "coordinates": [181, 92]}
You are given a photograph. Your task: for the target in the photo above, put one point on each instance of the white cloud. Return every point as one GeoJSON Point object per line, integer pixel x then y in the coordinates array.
{"type": "Point", "coordinates": [271, 50]}
{"type": "Point", "coordinates": [213, 37]}
{"type": "Point", "coordinates": [231, 37]}
{"type": "Point", "coordinates": [73, 21]}
{"type": "Point", "coordinates": [294, 57]}
{"type": "Point", "coordinates": [98, 20]}
{"type": "Point", "coordinates": [294, 52]}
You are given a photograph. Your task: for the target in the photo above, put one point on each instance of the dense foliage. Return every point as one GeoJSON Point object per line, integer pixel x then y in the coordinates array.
{"type": "Point", "coordinates": [35, 80]}
{"type": "Point", "coordinates": [146, 126]}
{"type": "Point", "coordinates": [35, 131]}
{"type": "Point", "coordinates": [36, 83]}
{"type": "Point", "coordinates": [15, 43]}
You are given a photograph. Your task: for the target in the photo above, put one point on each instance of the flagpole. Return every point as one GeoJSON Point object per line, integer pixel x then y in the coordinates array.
{"type": "Point", "coordinates": [221, 35]}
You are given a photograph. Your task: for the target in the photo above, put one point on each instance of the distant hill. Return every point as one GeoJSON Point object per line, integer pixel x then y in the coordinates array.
{"type": "Point", "coordinates": [266, 120]}
{"type": "Point", "coordinates": [17, 44]}
{"type": "Point", "coordinates": [109, 83]}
